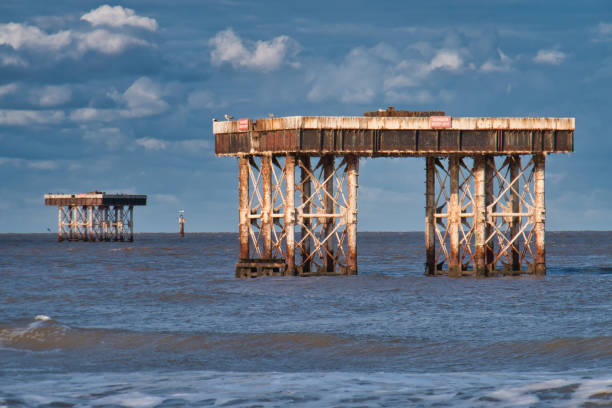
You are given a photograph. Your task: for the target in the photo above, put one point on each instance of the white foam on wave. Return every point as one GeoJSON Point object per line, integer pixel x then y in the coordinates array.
{"type": "Point", "coordinates": [43, 318]}
{"type": "Point", "coordinates": [244, 389]}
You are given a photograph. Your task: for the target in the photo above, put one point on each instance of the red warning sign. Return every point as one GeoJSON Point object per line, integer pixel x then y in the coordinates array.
{"type": "Point", "coordinates": [243, 124]}
{"type": "Point", "coordinates": [440, 122]}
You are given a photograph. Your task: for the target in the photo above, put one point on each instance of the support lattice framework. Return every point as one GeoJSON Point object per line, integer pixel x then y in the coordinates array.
{"type": "Point", "coordinates": [95, 223]}
{"type": "Point", "coordinates": [325, 214]}
{"type": "Point", "coordinates": [485, 215]}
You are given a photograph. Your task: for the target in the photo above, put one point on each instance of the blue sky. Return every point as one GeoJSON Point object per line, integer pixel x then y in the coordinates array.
{"type": "Point", "coordinates": [119, 96]}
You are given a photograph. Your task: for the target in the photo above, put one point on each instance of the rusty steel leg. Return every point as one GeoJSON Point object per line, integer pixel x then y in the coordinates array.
{"type": "Point", "coordinates": [489, 198]}
{"type": "Point", "coordinates": [131, 214]}
{"type": "Point", "coordinates": [430, 210]}
{"type": "Point", "coordinates": [105, 231]}
{"type": "Point", "coordinates": [515, 205]}
{"type": "Point", "coordinates": [89, 234]}
{"type": "Point", "coordinates": [540, 213]}
{"type": "Point", "coordinates": [290, 215]}
{"type": "Point", "coordinates": [351, 219]}
{"type": "Point", "coordinates": [60, 223]}
{"type": "Point", "coordinates": [454, 218]}
{"type": "Point", "coordinates": [266, 211]}
{"type": "Point", "coordinates": [121, 226]}
{"type": "Point", "coordinates": [243, 207]}
{"type": "Point", "coordinates": [479, 216]}
{"type": "Point", "coordinates": [74, 231]}
{"type": "Point", "coordinates": [328, 171]}
{"type": "Point", "coordinates": [306, 187]}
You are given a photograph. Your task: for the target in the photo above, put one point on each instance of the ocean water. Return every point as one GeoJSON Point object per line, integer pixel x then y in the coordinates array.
{"type": "Point", "coordinates": [162, 322]}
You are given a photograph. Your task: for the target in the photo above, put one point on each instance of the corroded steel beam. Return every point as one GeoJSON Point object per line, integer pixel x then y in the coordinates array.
{"type": "Point", "coordinates": [540, 214]}
{"type": "Point", "coordinates": [394, 136]}
{"type": "Point", "coordinates": [351, 221]}
{"type": "Point", "coordinates": [430, 209]}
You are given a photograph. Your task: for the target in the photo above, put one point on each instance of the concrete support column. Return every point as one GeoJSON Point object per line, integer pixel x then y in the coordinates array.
{"type": "Point", "coordinates": [489, 198]}
{"type": "Point", "coordinates": [430, 220]}
{"type": "Point", "coordinates": [479, 216]}
{"type": "Point", "coordinates": [290, 215]}
{"type": "Point", "coordinates": [105, 224]}
{"type": "Point", "coordinates": [306, 187]}
{"type": "Point", "coordinates": [266, 210]}
{"type": "Point", "coordinates": [74, 229]}
{"type": "Point", "coordinates": [243, 207]}
{"type": "Point", "coordinates": [328, 223]}
{"type": "Point", "coordinates": [121, 226]}
{"type": "Point", "coordinates": [131, 214]}
{"type": "Point", "coordinates": [352, 168]}
{"type": "Point", "coordinates": [89, 210]}
{"type": "Point", "coordinates": [60, 223]}
{"type": "Point", "coordinates": [454, 218]}
{"type": "Point", "coordinates": [515, 206]}
{"type": "Point", "coordinates": [540, 213]}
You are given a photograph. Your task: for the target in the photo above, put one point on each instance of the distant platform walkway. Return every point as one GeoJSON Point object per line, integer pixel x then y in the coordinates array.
{"type": "Point", "coordinates": [95, 216]}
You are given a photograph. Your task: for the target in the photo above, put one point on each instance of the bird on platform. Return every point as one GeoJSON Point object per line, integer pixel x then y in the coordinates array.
{"type": "Point", "coordinates": [228, 117]}
{"type": "Point", "coordinates": [215, 120]}
{"type": "Point", "coordinates": [382, 110]}
{"type": "Point", "coordinates": [271, 115]}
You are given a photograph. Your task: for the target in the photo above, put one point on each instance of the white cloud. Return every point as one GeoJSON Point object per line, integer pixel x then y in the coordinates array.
{"type": "Point", "coordinates": [604, 29]}
{"type": "Point", "coordinates": [12, 61]}
{"type": "Point", "coordinates": [118, 16]}
{"type": "Point", "coordinates": [51, 95]}
{"type": "Point", "coordinates": [106, 42]}
{"type": "Point", "coordinates": [31, 164]}
{"type": "Point", "coordinates": [7, 89]}
{"type": "Point", "coordinates": [448, 60]}
{"type": "Point", "coordinates": [366, 73]}
{"type": "Point", "coordinates": [112, 137]}
{"type": "Point", "coordinates": [24, 36]}
{"type": "Point", "coordinates": [549, 57]}
{"type": "Point", "coordinates": [12, 117]}
{"type": "Point", "coordinates": [503, 64]}
{"type": "Point", "coordinates": [142, 98]}
{"type": "Point", "coordinates": [264, 56]}
{"type": "Point", "coordinates": [150, 143]}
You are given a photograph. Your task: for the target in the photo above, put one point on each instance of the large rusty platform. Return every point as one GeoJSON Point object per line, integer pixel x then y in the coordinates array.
{"type": "Point", "coordinates": [393, 136]}
{"type": "Point", "coordinates": [484, 188]}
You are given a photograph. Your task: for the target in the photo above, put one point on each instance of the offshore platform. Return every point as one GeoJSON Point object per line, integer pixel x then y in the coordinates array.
{"type": "Point", "coordinates": [95, 216]}
{"type": "Point", "coordinates": [484, 188]}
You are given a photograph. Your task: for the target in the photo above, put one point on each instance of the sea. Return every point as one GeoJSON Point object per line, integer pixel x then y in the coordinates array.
{"type": "Point", "coordinates": [162, 322]}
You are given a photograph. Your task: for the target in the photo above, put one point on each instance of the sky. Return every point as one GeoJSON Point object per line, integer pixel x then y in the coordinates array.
{"type": "Point", "coordinates": [119, 96]}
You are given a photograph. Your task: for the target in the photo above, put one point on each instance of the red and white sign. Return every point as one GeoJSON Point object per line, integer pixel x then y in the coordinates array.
{"type": "Point", "coordinates": [440, 122]}
{"type": "Point", "coordinates": [243, 124]}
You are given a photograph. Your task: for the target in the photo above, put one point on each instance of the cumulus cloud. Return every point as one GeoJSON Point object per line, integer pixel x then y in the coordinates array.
{"type": "Point", "coordinates": [187, 146]}
{"type": "Point", "coordinates": [14, 117]}
{"type": "Point", "coordinates": [25, 36]}
{"type": "Point", "coordinates": [603, 32]}
{"type": "Point", "coordinates": [51, 95]}
{"type": "Point", "coordinates": [106, 42]}
{"type": "Point", "coordinates": [150, 143]}
{"type": "Point", "coordinates": [366, 72]}
{"type": "Point", "coordinates": [552, 57]}
{"type": "Point", "coordinates": [30, 164]}
{"type": "Point", "coordinates": [7, 89]}
{"type": "Point", "coordinates": [264, 56]}
{"type": "Point", "coordinates": [501, 64]}
{"type": "Point", "coordinates": [12, 61]}
{"type": "Point", "coordinates": [118, 16]}
{"type": "Point", "coordinates": [111, 137]}
{"type": "Point", "coordinates": [448, 60]}
{"type": "Point", "coordinates": [142, 98]}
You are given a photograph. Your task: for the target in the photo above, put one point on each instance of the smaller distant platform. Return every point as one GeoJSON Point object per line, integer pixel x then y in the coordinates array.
{"type": "Point", "coordinates": [95, 198]}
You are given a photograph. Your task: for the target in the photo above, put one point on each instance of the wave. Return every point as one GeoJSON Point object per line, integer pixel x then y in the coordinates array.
{"type": "Point", "coordinates": [44, 333]}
